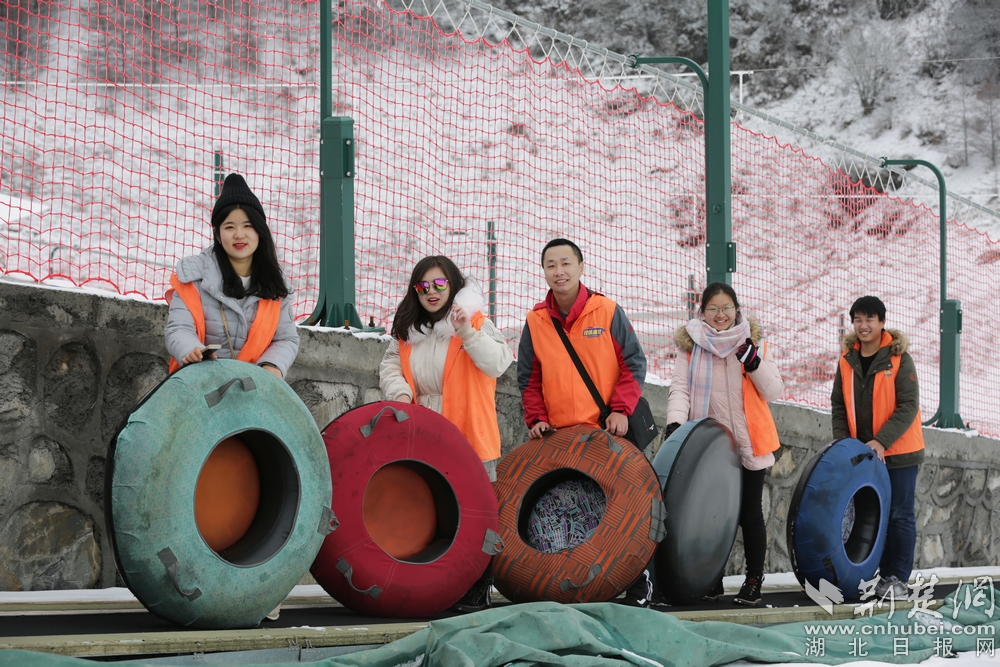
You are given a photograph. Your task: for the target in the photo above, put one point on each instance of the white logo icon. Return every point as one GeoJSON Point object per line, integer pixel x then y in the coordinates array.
{"type": "Point", "coordinates": [827, 595]}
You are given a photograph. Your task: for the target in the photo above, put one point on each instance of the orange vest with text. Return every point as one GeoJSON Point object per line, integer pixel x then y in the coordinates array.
{"type": "Point", "coordinates": [261, 333]}
{"type": "Point", "coordinates": [568, 402]}
{"type": "Point", "coordinates": [468, 395]}
{"type": "Point", "coordinates": [883, 404]}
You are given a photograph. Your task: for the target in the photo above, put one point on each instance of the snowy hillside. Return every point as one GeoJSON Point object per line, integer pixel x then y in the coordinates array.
{"type": "Point", "coordinates": [930, 108]}
{"type": "Point", "coordinates": [935, 67]}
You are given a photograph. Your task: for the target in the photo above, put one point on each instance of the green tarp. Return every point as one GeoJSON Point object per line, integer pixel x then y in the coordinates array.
{"type": "Point", "coordinates": [592, 635]}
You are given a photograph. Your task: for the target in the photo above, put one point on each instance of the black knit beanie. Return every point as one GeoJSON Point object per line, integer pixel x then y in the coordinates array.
{"type": "Point", "coordinates": [235, 192]}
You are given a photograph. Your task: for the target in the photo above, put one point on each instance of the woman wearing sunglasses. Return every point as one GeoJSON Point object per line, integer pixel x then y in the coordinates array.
{"type": "Point", "coordinates": [725, 371]}
{"type": "Point", "coordinates": [439, 324]}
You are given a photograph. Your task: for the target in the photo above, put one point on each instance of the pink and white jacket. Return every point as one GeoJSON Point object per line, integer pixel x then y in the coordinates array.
{"type": "Point", "coordinates": [726, 398]}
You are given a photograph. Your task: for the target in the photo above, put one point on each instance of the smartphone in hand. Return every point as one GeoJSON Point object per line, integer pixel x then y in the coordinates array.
{"type": "Point", "coordinates": [208, 352]}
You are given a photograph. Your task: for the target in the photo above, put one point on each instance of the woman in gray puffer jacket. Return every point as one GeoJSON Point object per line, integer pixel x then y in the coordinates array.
{"type": "Point", "coordinates": [218, 295]}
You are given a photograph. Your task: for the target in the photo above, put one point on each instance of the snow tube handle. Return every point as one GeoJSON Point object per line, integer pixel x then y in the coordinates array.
{"type": "Point", "coordinates": [658, 518]}
{"type": "Point", "coordinates": [492, 543]}
{"type": "Point", "coordinates": [828, 564]}
{"type": "Point", "coordinates": [368, 429]}
{"type": "Point", "coordinates": [855, 460]}
{"type": "Point", "coordinates": [612, 443]}
{"type": "Point", "coordinates": [169, 561]}
{"type": "Point", "coordinates": [328, 522]}
{"type": "Point", "coordinates": [566, 584]}
{"type": "Point", "coordinates": [345, 569]}
{"type": "Point", "coordinates": [213, 398]}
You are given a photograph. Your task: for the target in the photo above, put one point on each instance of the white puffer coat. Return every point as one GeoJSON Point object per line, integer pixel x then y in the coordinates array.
{"type": "Point", "coordinates": [725, 402]}
{"type": "Point", "coordinates": [486, 346]}
{"type": "Point", "coordinates": [180, 336]}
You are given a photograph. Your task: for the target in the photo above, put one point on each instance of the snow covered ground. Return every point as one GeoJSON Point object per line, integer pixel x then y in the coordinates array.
{"type": "Point", "coordinates": [944, 119]}
{"type": "Point", "coordinates": [773, 582]}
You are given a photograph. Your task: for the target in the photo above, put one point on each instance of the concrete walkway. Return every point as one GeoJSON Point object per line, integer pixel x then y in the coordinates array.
{"type": "Point", "coordinates": [111, 622]}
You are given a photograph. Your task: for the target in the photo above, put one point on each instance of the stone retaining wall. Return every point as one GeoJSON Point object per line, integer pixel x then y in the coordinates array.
{"type": "Point", "coordinates": [73, 363]}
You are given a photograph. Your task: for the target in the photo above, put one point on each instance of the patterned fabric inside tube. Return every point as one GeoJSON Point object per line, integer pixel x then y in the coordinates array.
{"type": "Point", "coordinates": [566, 515]}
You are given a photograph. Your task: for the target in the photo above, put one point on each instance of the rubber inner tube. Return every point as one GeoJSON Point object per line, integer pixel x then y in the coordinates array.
{"type": "Point", "coordinates": [224, 561]}
{"type": "Point", "coordinates": [844, 477]}
{"type": "Point", "coordinates": [416, 513]}
{"type": "Point", "coordinates": [701, 480]}
{"type": "Point", "coordinates": [611, 555]}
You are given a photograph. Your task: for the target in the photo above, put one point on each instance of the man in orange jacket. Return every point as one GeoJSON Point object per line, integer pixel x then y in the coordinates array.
{"type": "Point", "coordinates": [876, 400]}
{"type": "Point", "coordinates": [552, 392]}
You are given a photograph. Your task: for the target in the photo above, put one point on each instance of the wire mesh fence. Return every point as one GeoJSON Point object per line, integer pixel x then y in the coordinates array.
{"type": "Point", "coordinates": [470, 125]}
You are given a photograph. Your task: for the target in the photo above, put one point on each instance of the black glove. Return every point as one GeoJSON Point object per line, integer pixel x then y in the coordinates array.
{"type": "Point", "coordinates": [748, 356]}
{"type": "Point", "coordinates": [670, 428]}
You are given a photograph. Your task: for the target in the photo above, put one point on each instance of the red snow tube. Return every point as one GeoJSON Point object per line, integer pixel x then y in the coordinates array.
{"type": "Point", "coordinates": [601, 566]}
{"type": "Point", "coordinates": [415, 512]}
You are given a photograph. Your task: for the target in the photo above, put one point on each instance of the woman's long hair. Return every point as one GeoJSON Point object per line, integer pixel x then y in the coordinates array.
{"type": "Point", "coordinates": [266, 278]}
{"type": "Point", "coordinates": [410, 314]}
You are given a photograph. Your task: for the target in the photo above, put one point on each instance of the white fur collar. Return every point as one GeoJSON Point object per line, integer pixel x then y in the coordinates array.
{"type": "Point", "coordinates": [469, 298]}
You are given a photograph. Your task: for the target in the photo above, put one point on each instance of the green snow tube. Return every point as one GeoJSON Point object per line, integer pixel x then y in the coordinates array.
{"type": "Point", "coordinates": [164, 451]}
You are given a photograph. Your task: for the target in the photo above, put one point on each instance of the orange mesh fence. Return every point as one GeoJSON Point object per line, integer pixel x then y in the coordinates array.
{"type": "Point", "coordinates": [470, 135]}
{"type": "Point", "coordinates": [113, 113]}
{"type": "Point", "coordinates": [806, 251]}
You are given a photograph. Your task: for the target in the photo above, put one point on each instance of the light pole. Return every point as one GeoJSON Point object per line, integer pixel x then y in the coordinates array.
{"type": "Point", "coordinates": [720, 251]}
{"type": "Point", "coordinates": [950, 317]}
{"type": "Point", "coordinates": [336, 303]}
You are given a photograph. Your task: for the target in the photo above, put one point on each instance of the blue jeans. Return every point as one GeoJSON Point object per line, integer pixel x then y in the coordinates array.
{"type": "Point", "coordinates": [901, 535]}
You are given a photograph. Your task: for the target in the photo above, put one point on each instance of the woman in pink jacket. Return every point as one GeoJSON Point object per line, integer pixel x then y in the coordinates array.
{"type": "Point", "coordinates": [725, 372]}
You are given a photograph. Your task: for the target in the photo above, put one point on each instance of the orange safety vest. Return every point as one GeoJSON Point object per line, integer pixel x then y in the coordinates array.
{"type": "Point", "coordinates": [883, 404]}
{"type": "Point", "coordinates": [468, 395]}
{"type": "Point", "coordinates": [261, 333]}
{"type": "Point", "coordinates": [568, 402]}
{"type": "Point", "coordinates": [760, 424]}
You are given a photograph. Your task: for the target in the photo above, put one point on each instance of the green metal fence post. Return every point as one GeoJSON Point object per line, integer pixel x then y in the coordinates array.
{"type": "Point", "coordinates": [336, 303]}
{"type": "Point", "coordinates": [947, 415]}
{"type": "Point", "coordinates": [336, 238]}
{"type": "Point", "coordinates": [218, 172]}
{"type": "Point", "coordinates": [951, 366]}
{"type": "Point", "coordinates": [491, 238]}
{"type": "Point", "coordinates": [720, 251]}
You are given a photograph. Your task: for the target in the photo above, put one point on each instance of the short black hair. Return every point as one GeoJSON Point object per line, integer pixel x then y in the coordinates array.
{"type": "Point", "coordinates": [870, 306]}
{"type": "Point", "coordinates": [558, 242]}
{"type": "Point", "coordinates": [718, 288]}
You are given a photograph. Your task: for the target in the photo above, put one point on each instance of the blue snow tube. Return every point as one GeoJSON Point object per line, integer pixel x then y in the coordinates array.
{"type": "Point", "coordinates": [838, 516]}
{"type": "Point", "coordinates": [702, 483]}
{"type": "Point", "coordinates": [152, 468]}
